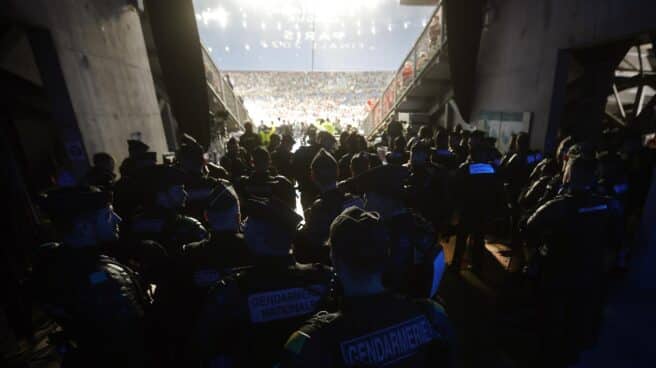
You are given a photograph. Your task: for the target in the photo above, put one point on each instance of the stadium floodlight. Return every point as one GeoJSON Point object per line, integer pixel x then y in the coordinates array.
{"type": "Point", "coordinates": [218, 15]}
{"type": "Point", "coordinates": [322, 11]}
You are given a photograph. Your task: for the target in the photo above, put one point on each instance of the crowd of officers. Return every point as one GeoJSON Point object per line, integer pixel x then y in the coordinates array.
{"type": "Point", "coordinates": [192, 263]}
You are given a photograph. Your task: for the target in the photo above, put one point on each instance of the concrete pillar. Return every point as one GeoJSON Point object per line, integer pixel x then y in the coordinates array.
{"type": "Point", "coordinates": [102, 54]}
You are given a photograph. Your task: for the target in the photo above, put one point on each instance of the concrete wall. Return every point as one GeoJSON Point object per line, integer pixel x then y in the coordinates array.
{"type": "Point", "coordinates": [102, 53]}
{"type": "Point", "coordinates": [519, 48]}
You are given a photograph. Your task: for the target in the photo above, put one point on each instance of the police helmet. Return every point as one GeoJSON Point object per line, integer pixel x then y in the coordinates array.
{"type": "Point", "coordinates": [359, 239]}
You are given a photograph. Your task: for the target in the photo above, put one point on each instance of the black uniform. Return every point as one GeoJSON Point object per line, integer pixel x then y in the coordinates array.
{"type": "Point", "coordinates": [427, 193]}
{"type": "Point", "coordinates": [259, 185]}
{"type": "Point", "coordinates": [374, 331]}
{"type": "Point", "coordinates": [579, 231]}
{"type": "Point", "coordinates": [301, 161]}
{"type": "Point", "coordinates": [345, 166]}
{"type": "Point", "coordinates": [206, 262]}
{"type": "Point", "coordinates": [198, 188]}
{"type": "Point", "coordinates": [250, 141]}
{"type": "Point", "coordinates": [101, 178]}
{"type": "Point", "coordinates": [479, 198]}
{"type": "Point", "coordinates": [168, 228]}
{"type": "Point", "coordinates": [309, 247]}
{"type": "Point", "coordinates": [445, 158]}
{"type": "Point", "coordinates": [397, 158]}
{"type": "Point", "coordinates": [282, 161]}
{"type": "Point", "coordinates": [413, 248]}
{"type": "Point", "coordinates": [258, 307]}
{"type": "Point", "coordinates": [127, 195]}
{"type": "Point", "coordinates": [235, 166]}
{"type": "Point", "coordinates": [100, 304]}
{"type": "Point", "coordinates": [148, 258]}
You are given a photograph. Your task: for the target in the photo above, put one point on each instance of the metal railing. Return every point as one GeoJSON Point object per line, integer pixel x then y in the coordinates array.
{"type": "Point", "coordinates": [425, 49]}
{"type": "Point", "coordinates": [221, 89]}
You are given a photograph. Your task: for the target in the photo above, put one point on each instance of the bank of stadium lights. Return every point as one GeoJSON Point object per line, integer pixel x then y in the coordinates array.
{"type": "Point", "coordinates": [247, 47]}
{"type": "Point", "coordinates": [227, 49]}
{"type": "Point", "coordinates": [320, 10]}
{"type": "Point", "coordinates": [218, 15]}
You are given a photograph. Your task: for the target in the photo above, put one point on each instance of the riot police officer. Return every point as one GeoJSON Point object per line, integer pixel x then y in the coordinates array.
{"type": "Point", "coordinates": [302, 160]}
{"type": "Point", "coordinates": [555, 184]}
{"type": "Point", "coordinates": [331, 202]}
{"type": "Point", "coordinates": [198, 185]}
{"type": "Point", "coordinates": [354, 143]}
{"type": "Point", "coordinates": [360, 162]}
{"type": "Point", "coordinates": [207, 261]}
{"type": "Point", "coordinates": [100, 303]}
{"type": "Point", "coordinates": [441, 154]}
{"type": "Point", "coordinates": [398, 155]}
{"type": "Point", "coordinates": [373, 326]}
{"type": "Point", "coordinates": [102, 174]}
{"type": "Point", "coordinates": [541, 177]}
{"type": "Point", "coordinates": [164, 196]}
{"type": "Point", "coordinates": [126, 198]}
{"type": "Point", "coordinates": [260, 184]}
{"type": "Point", "coordinates": [479, 199]}
{"type": "Point", "coordinates": [414, 246]}
{"type": "Point", "coordinates": [260, 306]}
{"type": "Point", "coordinates": [233, 162]}
{"type": "Point", "coordinates": [578, 231]}
{"type": "Point", "coordinates": [516, 170]}
{"type": "Point", "coordinates": [427, 187]}
{"type": "Point", "coordinates": [281, 158]}
{"type": "Point", "coordinates": [250, 140]}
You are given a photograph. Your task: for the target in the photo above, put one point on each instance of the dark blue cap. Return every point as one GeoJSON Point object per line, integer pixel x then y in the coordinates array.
{"type": "Point", "coordinates": [386, 180]}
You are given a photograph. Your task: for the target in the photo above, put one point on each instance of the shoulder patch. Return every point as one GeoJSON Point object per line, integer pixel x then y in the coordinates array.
{"type": "Point", "coordinates": [285, 303]}
{"type": "Point", "coordinates": [601, 207]}
{"type": "Point", "coordinates": [388, 345]}
{"type": "Point", "coordinates": [480, 169]}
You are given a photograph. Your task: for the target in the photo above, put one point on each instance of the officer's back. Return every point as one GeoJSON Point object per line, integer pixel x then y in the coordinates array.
{"type": "Point", "coordinates": [412, 240]}
{"type": "Point", "coordinates": [331, 202]}
{"type": "Point", "coordinates": [206, 262]}
{"type": "Point", "coordinates": [578, 230]}
{"type": "Point", "coordinates": [259, 306]}
{"type": "Point", "coordinates": [99, 302]}
{"type": "Point", "coordinates": [164, 198]}
{"type": "Point", "coordinates": [198, 185]}
{"type": "Point", "coordinates": [373, 327]}
{"type": "Point", "coordinates": [260, 184]}
{"type": "Point", "coordinates": [478, 190]}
